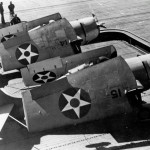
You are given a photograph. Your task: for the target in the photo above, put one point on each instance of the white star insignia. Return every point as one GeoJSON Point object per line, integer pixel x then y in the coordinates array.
{"type": "Point", "coordinates": [81, 103]}
{"type": "Point", "coordinates": [27, 57]}
{"type": "Point", "coordinates": [45, 80]}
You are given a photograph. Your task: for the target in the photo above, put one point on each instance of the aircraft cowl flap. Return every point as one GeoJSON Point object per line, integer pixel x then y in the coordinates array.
{"type": "Point", "coordinates": [86, 95]}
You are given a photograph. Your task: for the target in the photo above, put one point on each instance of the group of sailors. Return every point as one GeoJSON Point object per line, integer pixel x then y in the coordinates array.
{"type": "Point", "coordinates": [14, 19]}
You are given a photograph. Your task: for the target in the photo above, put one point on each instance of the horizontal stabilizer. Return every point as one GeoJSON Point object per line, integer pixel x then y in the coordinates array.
{"type": "Point", "coordinates": [4, 113]}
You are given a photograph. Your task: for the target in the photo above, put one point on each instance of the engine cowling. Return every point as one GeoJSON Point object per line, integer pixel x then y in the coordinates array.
{"type": "Point", "coordinates": [140, 67]}
{"type": "Point", "coordinates": [86, 29]}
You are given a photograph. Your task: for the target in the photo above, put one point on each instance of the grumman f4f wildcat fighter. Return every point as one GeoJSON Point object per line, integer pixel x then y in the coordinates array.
{"type": "Point", "coordinates": [63, 85]}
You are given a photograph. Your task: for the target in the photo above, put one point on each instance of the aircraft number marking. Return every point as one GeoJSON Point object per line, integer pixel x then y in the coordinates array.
{"type": "Point", "coordinates": [115, 93]}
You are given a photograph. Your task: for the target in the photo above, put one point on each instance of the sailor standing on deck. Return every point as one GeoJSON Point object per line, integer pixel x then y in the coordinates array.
{"type": "Point", "coordinates": [11, 9]}
{"type": "Point", "coordinates": [2, 13]}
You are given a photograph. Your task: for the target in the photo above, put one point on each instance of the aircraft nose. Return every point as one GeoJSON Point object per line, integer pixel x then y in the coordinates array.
{"type": "Point", "coordinates": [140, 67]}
{"type": "Point", "coordinates": [86, 29]}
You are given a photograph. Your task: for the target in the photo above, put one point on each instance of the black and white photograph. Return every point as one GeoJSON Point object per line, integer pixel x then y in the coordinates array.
{"type": "Point", "coordinates": [74, 75]}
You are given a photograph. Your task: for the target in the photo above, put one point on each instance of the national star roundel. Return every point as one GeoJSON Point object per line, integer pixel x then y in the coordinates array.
{"type": "Point", "coordinates": [27, 53]}
{"type": "Point", "coordinates": [74, 103]}
{"type": "Point", "coordinates": [7, 37]}
{"type": "Point", "coordinates": [44, 77]}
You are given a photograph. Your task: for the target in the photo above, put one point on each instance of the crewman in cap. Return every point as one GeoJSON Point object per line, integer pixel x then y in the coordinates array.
{"type": "Point", "coordinates": [11, 8]}
{"type": "Point", "coordinates": [2, 13]}
{"type": "Point", "coordinates": [15, 20]}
